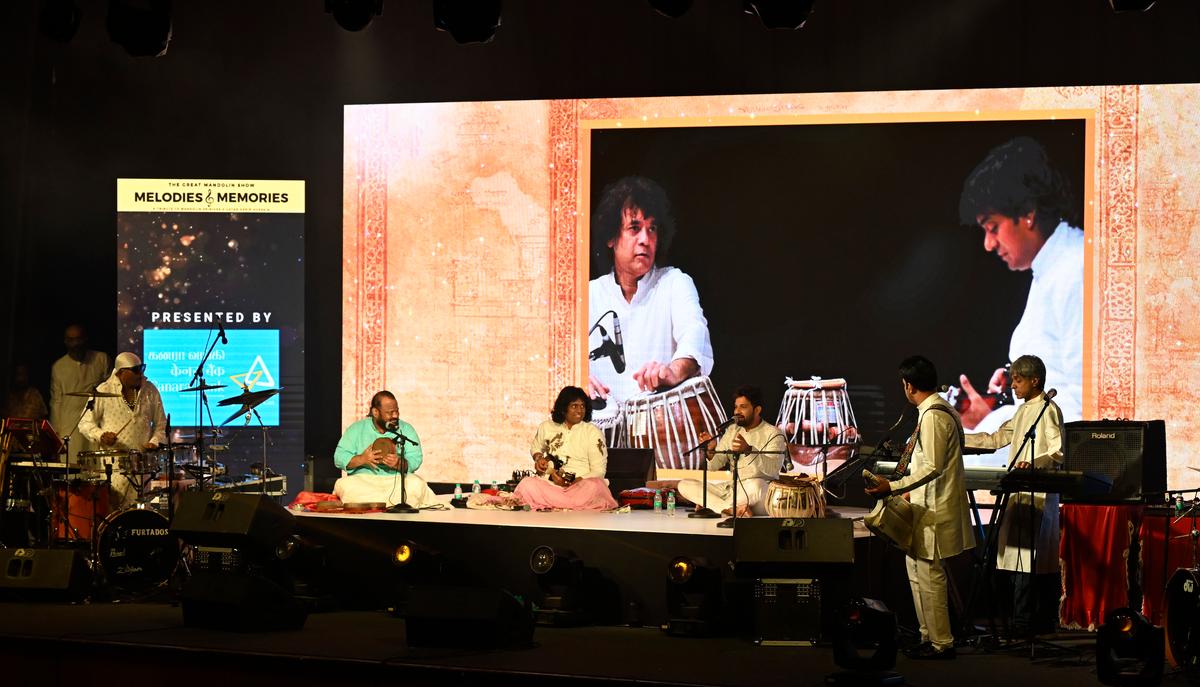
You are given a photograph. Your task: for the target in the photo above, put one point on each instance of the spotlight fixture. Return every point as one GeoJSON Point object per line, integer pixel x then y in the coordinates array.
{"type": "Point", "coordinates": [402, 555]}
{"type": "Point", "coordinates": [864, 644]}
{"type": "Point", "coordinates": [467, 21]}
{"type": "Point", "coordinates": [59, 19]}
{"type": "Point", "coordinates": [541, 561]}
{"type": "Point", "coordinates": [673, 9]}
{"type": "Point", "coordinates": [1131, 5]}
{"type": "Point", "coordinates": [559, 576]}
{"type": "Point", "coordinates": [780, 14]}
{"type": "Point", "coordinates": [1129, 650]}
{"type": "Point", "coordinates": [142, 27]}
{"type": "Point", "coordinates": [354, 15]}
{"type": "Point", "coordinates": [694, 597]}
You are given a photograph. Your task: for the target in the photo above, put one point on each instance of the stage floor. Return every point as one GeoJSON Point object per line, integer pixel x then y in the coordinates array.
{"type": "Point", "coordinates": [55, 644]}
{"type": "Point", "coordinates": [645, 521]}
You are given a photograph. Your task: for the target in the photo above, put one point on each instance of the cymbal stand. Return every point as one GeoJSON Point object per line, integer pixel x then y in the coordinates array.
{"type": "Point", "coordinates": [202, 402]}
{"type": "Point", "coordinates": [66, 454]}
{"type": "Point", "coordinates": [266, 439]}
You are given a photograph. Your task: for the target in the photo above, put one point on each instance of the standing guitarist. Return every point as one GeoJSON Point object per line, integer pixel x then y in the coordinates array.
{"type": "Point", "coordinates": [936, 489]}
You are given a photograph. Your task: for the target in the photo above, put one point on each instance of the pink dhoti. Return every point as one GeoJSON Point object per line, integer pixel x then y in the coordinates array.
{"type": "Point", "coordinates": [585, 494]}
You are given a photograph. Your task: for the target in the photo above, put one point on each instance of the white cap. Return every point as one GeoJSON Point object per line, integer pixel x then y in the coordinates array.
{"type": "Point", "coordinates": [125, 360]}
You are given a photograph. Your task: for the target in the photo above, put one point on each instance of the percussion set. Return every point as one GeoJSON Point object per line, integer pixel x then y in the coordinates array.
{"type": "Point", "coordinates": [1181, 603]}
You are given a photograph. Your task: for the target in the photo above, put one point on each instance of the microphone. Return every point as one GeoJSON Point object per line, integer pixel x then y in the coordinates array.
{"type": "Point", "coordinates": [393, 428]}
{"type": "Point", "coordinates": [618, 355]}
{"type": "Point", "coordinates": [1051, 394]}
{"type": "Point", "coordinates": [941, 390]}
{"type": "Point", "coordinates": [221, 333]}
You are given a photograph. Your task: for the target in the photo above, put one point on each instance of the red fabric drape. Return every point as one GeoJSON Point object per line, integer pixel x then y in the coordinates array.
{"type": "Point", "coordinates": [1179, 555]}
{"type": "Point", "coordinates": [1094, 551]}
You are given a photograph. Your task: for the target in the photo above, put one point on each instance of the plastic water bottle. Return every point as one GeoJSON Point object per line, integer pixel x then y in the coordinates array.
{"type": "Point", "coordinates": [495, 486]}
{"type": "Point", "coordinates": [657, 501]}
{"type": "Point", "coordinates": [457, 492]}
{"type": "Point", "coordinates": [475, 488]}
{"type": "Point", "coordinates": [671, 503]}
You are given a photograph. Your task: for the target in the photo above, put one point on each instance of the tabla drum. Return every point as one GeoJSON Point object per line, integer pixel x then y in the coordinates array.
{"type": "Point", "coordinates": [82, 502]}
{"type": "Point", "coordinates": [1181, 620]}
{"type": "Point", "coordinates": [671, 421]}
{"type": "Point", "coordinates": [818, 420]}
{"type": "Point", "coordinates": [800, 496]}
{"type": "Point", "coordinates": [611, 421]}
{"type": "Point", "coordinates": [136, 549]}
{"type": "Point", "coordinates": [122, 460]}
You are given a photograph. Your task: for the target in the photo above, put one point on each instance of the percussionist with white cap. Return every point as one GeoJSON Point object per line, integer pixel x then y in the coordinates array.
{"type": "Point", "coordinates": [133, 419]}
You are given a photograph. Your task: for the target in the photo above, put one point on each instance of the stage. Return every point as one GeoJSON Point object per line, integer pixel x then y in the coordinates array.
{"type": "Point", "coordinates": [54, 644]}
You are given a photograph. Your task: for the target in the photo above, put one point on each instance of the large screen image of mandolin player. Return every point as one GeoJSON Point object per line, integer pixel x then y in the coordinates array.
{"type": "Point", "coordinates": [936, 491]}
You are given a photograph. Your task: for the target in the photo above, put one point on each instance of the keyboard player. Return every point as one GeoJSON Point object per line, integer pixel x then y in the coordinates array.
{"type": "Point", "coordinates": [1030, 519]}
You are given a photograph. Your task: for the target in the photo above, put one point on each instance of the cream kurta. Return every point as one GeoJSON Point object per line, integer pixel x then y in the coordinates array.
{"type": "Point", "coordinates": [581, 448]}
{"type": "Point", "coordinates": [936, 484]}
{"type": "Point", "coordinates": [1025, 518]}
{"type": "Point", "coordinates": [68, 375]}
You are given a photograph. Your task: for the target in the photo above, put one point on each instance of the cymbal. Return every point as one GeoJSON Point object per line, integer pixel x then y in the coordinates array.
{"type": "Point", "coordinates": [202, 387]}
{"type": "Point", "coordinates": [249, 399]}
{"type": "Point", "coordinates": [91, 394]}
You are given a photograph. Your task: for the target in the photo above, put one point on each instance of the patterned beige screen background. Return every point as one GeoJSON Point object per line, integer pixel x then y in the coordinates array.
{"type": "Point", "coordinates": [464, 271]}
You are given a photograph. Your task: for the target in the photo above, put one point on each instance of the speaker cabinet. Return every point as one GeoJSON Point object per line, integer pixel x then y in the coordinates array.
{"type": "Point", "coordinates": [228, 519]}
{"type": "Point", "coordinates": [441, 616]}
{"type": "Point", "coordinates": [43, 575]}
{"type": "Point", "coordinates": [1132, 453]}
{"type": "Point", "coordinates": [794, 540]}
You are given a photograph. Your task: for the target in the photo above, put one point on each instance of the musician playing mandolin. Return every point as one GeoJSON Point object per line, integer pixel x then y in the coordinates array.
{"type": "Point", "coordinates": [1030, 518]}
{"type": "Point", "coordinates": [569, 457]}
{"type": "Point", "coordinates": [935, 487]}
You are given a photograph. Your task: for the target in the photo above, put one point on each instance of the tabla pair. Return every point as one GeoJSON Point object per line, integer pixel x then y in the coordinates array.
{"type": "Point", "coordinates": [669, 421]}
{"type": "Point", "coordinates": [133, 546]}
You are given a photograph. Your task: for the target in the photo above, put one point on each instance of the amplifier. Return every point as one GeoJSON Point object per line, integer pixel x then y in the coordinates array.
{"type": "Point", "coordinates": [787, 611]}
{"type": "Point", "coordinates": [1132, 453]}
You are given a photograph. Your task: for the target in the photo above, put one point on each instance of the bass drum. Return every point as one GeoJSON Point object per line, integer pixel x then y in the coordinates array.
{"type": "Point", "coordinates": [136, 549]}
{"type": "Point", "coordinates": [1181, 620]}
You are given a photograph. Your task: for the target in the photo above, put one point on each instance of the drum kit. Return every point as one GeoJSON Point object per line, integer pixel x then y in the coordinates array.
{"type": "Point", "coordinates": [1181, 602]}
{"type": "Point", "coordinates": [115, 502]}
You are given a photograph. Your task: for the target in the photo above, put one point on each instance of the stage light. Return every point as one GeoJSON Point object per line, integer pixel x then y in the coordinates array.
{"type": "Point", "coordinates": [142, 27]}
{"type": "Point", "coordinates": [402, 555]}
{"type": "Point", "coordinates": [694, 598]}
{"type": "Point", "coordinates": [541, 561]}
{"type": "Point", "coordinates": [864, 643]}
{"type": "Point", "coordinates": [1131, 5]}
{"type": "Point", "coordinates": [467, 21]}
{"type": "Point", "coordinates": [560, 580]}
{"type": "Point", "coordinates": [59, 19]}
{"type": "Point", "coordinates": [1129, 650]}
{"type": "Point", "coordinates": [287, 548]}
{"type": "Point", "coordinates": [780, 14]}
{"type": "Point", "coordinates": [354, 15]}
{"type": "Point", "coordinates": [671, 8]}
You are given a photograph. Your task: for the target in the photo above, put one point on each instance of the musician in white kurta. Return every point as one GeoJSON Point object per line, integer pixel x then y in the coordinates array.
{"type": "Point", "coordinates": [79, 371]}
{"type": "Point", "coordinates": [578, 483]}
{"type": "Point", "coordinates": [134, 420]}
{"type": "Point", "coordinates": [936, 488]}
{"type": "Point", "coordinates": [664, 337]}
{"type": "Point", "coordinates": [1030, 520]}
{"type": "Point", "coordinates": [760, 447]}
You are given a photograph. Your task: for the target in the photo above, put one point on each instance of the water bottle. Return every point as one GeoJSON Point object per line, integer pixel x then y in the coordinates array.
{"type": "Point", "coordinates": [1179, 504]}
{"type": "Point", "coordinates": [495, 486]}
{"type": "Point", "coordinates": [657, 501]}
{"type": "Point", "coordinates": [671, 503]}
{"type": "Point", "coordinates": [457, 492]}
{"type": "Point", "coordinates": [475, 488]}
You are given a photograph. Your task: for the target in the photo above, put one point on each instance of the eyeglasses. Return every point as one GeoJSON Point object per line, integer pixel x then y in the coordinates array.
{"type": "Point", "coordinates": [136, 369]}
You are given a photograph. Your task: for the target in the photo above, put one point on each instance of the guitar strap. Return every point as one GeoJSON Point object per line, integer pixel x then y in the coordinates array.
{"type": "Point", "coordinates": [915, 439]}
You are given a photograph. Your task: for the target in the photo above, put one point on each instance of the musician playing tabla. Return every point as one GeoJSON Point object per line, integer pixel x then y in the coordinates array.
{"type": "Point", "coordinates": [133, 420]}
{"type": "Point", "coordinates": [1030, 519]}
{"type": "Point", "coordinates": [369, 453]}
{"type": "Point", "coordinates": [937, 491]}
{"type": "Point", "coordinates": [760, 446]}
{"type": "Point", "coordinates": [570, 436]}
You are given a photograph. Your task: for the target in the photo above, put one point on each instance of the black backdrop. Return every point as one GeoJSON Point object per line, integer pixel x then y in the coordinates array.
{"type": "Point", "coordinates": [256, 89]}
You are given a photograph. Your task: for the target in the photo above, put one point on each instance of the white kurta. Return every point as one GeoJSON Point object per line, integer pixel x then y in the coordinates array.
{"type": "Point", "coordinates": [68, 375]}
{"type": "Point", "coordinates": [663, 322]}
{"type": "Point", "coordinates": [135, 427]}
{"type": "Point", "coordinates": [1026, 518]}
{"type": "Point", "coordinates": [936, 484]}
{"type": "Point", "coordinates": [755, 470]}
{"type": "Point", "coordinates": [581, 448]}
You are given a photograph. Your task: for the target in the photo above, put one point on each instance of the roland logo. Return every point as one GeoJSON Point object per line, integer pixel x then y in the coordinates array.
{"type": "Point", "coordinates": [1104, 435]}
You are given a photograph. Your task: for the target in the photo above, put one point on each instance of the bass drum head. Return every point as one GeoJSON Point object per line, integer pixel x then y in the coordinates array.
{"type": "Point", "coordinates": [1182, 620]}
{"type": "Point", "coordinates": [136, 549]}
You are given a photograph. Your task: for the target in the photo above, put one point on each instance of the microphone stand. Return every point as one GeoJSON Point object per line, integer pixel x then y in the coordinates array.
{"type": "Point", "coordinates": [66, 514]}
{"type": "Point", "coordinates": [702, 510]}
{"type": "Point", "coordinates": [731, 521]}
{"type": "Point", "coordinates": [403, 506]}
{"type": "Point", "coordinates": [604, 349]}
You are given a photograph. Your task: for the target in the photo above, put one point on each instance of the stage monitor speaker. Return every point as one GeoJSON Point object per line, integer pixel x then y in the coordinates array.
{"type": "Point", "coordinates": [43, 575]}
{"type": "Point", "coordinates": [240, 602]}
{"type": "Point", "coordinates": [1132, 453]}
{"type": "Point", "coordinates": [442, 616]}
{"type": "Point", "coordinates": [793, 540]}
{"type": "Point", "coordinates": [230, 519]}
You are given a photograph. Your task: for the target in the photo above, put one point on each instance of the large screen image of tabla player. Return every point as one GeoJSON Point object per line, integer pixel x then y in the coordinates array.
{"type": "Point", "coordinates": [769, 255]}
